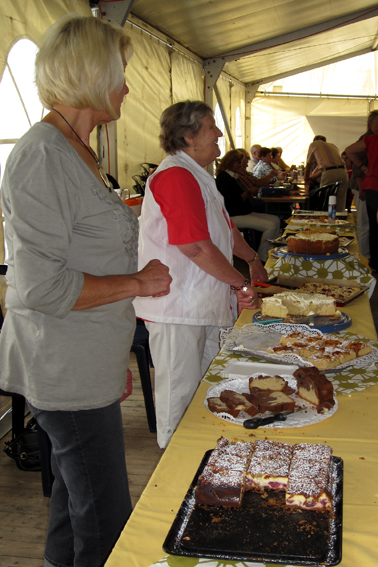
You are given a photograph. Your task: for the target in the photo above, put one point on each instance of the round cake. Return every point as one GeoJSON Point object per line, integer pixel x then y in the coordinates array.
{"type": "Point", "coordinates": [313, 243]}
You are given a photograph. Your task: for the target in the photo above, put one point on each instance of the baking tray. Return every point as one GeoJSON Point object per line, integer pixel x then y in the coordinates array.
{"type": "Point", "coordinates": [258, 531]}
{"type": "Point", "coordinates": [320, 322]}
{"type": "Point", "coordinates": [341, 253]}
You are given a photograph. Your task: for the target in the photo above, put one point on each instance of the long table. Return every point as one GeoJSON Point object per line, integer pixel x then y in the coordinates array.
{"type": "Point", "coordinates": [352, 432]}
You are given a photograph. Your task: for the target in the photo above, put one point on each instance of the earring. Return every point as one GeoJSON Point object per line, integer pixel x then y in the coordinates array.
{"type": "Point", "coordinates": [195, 148]}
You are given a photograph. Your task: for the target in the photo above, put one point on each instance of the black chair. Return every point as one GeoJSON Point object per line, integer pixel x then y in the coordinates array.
{"type": "Point", "coordinates": [18, 418]}
{"type": "Point", "coordinates": [141, 349]}
{"type": "Point", "coordinates": [252, 237]}
{"type": "Point", "coordinates": [318, 201]}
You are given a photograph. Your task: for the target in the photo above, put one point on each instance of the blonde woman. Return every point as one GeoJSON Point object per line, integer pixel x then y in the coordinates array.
{"type": "Point", "coordinates": [72, 276]}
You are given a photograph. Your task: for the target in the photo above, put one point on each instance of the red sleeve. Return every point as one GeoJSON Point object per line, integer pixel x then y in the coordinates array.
{"type": "Point", "coordinates": [180, 199]}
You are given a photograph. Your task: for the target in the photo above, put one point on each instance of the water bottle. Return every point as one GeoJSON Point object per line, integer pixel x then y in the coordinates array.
{"type": "Point", "coordinates": [332, 207]}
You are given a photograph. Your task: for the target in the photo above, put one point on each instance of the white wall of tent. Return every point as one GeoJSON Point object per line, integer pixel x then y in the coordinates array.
{"type": "Point", "coordinates": [273, 110]}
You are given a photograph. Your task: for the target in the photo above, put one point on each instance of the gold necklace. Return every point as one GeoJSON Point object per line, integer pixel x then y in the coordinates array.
{"type": "Point", "coordinates": [92, 153]}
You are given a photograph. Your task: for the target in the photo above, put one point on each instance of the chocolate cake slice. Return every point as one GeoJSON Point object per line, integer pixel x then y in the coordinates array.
{"type": "Point", "coordinates": [222, 482]}
{"type": "Point", "coordinates": [315, 387]}
{"type": "Point", "coordinates": [268, 400]}
{"type": "Point", "coordinates": [238, 402]}
{"type": "Point", "coordinates": [217, 406]}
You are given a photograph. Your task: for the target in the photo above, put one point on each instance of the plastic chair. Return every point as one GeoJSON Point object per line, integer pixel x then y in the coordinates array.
{"type": "Point", "coordinates": [141, 349]}
{"type": "Point", "coordinates": [319, 199]}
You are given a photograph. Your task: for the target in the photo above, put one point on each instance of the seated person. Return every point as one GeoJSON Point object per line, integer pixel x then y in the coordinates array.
{"type": "Point", "coordinates": [264, 165]}
{"type": "Point", "coordinates": [282, 165]}
{"type": "Point", "coordinates": [252, 183]}
{"type": "Point", "coordinates": [275, 160]}
{"type": "Point", "coordinates": [238, 202]}
{"type": "Point", "coordinates": [255, 156]}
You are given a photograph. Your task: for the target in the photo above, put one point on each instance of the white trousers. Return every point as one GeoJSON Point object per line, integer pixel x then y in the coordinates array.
{"type": "Point", "coordinates": [181, 355]}
{"type": "Point", "coordinates": [269, 225]}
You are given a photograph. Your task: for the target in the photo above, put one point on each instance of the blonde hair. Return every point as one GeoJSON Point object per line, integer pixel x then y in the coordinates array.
{"type": "Point", "coordinates": [80, 62]}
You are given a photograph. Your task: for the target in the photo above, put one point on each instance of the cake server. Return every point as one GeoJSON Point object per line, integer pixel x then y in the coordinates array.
{"type": "Point", "coordinates": [256, 422]}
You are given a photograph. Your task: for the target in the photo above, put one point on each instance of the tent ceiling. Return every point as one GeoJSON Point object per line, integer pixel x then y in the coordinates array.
{"type": "Point", "coordinates": [260, 41]}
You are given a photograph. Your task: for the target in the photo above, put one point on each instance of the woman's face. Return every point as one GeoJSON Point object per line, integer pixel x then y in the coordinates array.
{"type": "Point", "coordinates": [116, 98]}
{"type": "Point", "coordinates": [276, 159]}
{"type": "Point", "coordinates": [236, 166]}
{"type": "Point", "coordinates": [206, 142]}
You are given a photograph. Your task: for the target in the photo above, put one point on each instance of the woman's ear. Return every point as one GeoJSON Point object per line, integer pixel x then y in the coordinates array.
{"type": "Point", "coordinates": [190, 140]}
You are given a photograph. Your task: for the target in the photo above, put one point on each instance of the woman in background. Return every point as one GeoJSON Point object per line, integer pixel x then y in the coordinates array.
{"type": "Point", "coordinates": [185, 224]}
{"type": "Point", "coordinates": [71, 277]}
{"type": "Point", "coordinates": [239, 202]}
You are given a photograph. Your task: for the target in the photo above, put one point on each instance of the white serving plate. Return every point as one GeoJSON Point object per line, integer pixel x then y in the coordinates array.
{"type": "Point", "coordinates": [303, 415]}
{"type": "Point", "coordinates": [240, 369]}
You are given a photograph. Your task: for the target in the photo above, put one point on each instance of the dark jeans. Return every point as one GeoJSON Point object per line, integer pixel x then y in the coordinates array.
{"type": "Point", "coordinates": [90, 501]}
{"type": "Point", "coordinates": [372, 208]}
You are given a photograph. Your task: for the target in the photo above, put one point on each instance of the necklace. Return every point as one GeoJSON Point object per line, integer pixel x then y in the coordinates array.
{"type": "Point", "coordinates": [92, 153]}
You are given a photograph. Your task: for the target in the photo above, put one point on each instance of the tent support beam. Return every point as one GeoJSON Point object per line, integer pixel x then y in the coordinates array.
{"type": "Point", "coordinates": [226, 124]}
{"type": "Point", "coordinates": [294, 36]}
{"type": "Point", "coordinates": [250, 93]}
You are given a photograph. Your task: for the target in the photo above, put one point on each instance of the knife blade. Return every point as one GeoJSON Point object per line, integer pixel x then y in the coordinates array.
{"type": "Point", "coordinates": [256, 422]}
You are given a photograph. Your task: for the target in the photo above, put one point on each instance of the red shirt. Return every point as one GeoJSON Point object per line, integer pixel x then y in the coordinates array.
{"type": "Point", "coordinates": [179, 196]}
{"type": "Point", "coordinates": [371, 179]}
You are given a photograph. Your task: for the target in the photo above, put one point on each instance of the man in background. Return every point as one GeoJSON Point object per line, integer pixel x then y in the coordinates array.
{"type": "Point", "coordinates": [328, 158]}
{"type": "Point", "coordinates": [255, 156]}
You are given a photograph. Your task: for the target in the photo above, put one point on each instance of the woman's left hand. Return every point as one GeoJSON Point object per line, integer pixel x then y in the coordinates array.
{"type": "Point", "coordinates": [257, 272]}
{"type": "Point", "coordinates": [247, 299]}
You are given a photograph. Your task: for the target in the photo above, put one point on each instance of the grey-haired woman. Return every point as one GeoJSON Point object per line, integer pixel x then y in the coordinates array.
{"type": "Point", "coordinates": [185, 224]}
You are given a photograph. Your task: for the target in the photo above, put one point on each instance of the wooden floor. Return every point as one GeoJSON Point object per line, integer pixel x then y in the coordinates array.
{"type": "Point", "coordinates": [23, 509]}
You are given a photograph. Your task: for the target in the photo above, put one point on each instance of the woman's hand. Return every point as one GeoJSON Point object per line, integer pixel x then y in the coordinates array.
{"type": "Point", "coordinates": [257, 272]}
{"type": "Point", "coordinates": [154, 279]}
{"type": "Point", "coordinates": [247, 299]}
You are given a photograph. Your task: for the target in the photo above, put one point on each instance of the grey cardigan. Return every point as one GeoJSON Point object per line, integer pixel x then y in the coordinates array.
{"type": "Point", "coordinates": [60, 221]}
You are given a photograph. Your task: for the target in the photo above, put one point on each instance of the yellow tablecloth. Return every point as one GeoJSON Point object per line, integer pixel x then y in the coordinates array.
{"type": "Point", "coordinates": [352, 433]}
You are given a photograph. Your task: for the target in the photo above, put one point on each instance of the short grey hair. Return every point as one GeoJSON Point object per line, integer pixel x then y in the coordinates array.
{"type": "Point", "coordinates": [80, 62]}
{"type": "Point", "coordinates": [180, 120]}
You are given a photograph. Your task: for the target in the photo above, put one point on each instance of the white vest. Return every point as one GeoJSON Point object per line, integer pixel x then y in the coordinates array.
{"type": "Point", "coordinates": [196, 298]}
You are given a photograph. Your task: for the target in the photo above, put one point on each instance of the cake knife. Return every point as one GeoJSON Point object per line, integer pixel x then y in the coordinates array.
{"type": "Point", "coordinates": [256, 422]}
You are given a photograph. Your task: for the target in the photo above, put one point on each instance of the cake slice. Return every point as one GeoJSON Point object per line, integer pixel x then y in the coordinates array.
{"type": "Point", "coordinates": [267, 400]}
{"type": "Point", "coordinates": [238, 402]}
{"type": "Point", "coordinates": [217, 406]}
{"type": "Point", "coordinates": [269, 466]}
{"type": "Point", "coordinates": [263, 382]}
{"type": "Point", "coordinates": [361, 349]}
{"type": "Point", "coordinates": [222, 482]}
{"type": "Point", "coordinates": [314, 387]}
{"type": "Point", "coordinates": [309, 484]}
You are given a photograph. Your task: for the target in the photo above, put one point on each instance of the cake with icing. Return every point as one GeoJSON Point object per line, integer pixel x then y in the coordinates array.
{"type": "Point", "coordinates": [303, 473]}
{"type": "Point", "coordinates": [222, 481]}
{"type": "Point", "coordinates": [315, 243]}
{"type": "Point", "coordinates": [288, 303]}
{"type": "Point", "coordinates": [309, 484]}
{"type": "Point", "coordinates": [269, 466]}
